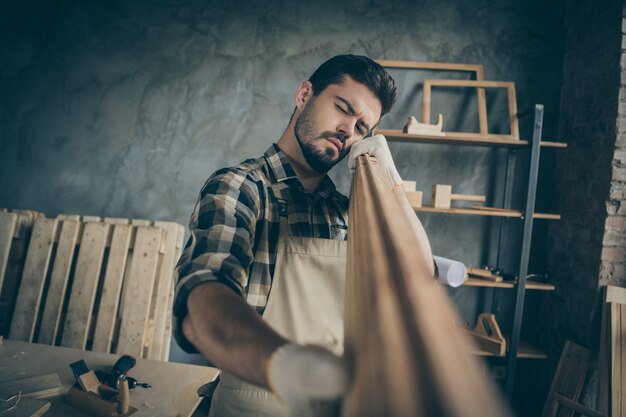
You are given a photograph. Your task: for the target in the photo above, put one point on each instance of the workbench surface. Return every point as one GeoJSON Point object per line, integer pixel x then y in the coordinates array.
{"type": "Point", "coordinates": [174, 385]}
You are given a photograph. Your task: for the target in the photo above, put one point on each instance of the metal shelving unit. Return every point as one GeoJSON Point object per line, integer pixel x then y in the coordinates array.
{"type": "Point", "coordinates": [516, 348]}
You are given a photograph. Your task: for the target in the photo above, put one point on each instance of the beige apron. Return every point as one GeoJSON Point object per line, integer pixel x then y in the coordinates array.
{"type": "Point", "coordinates": [305, 305]}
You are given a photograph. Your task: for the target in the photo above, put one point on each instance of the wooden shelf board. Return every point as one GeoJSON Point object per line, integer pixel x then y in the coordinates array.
{"type": "Point", "coordinates": [525, 350]}
{"type": "Point", "coordinates": [530, 285]}
{"type": "Point", "coordinates": [487, 212]}
{"type": "Point", "coordinates": [462, 138]}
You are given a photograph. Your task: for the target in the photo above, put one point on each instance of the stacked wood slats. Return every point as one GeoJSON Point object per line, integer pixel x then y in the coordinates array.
{"type": "Point", "coordinates": [408, 357]}
{"type": "Point", "coordinates": [612, 362]}
{"type": "Point", "coordinates": [97, 283]}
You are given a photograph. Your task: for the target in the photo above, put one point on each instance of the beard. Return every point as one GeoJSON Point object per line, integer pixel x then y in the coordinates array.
{"type": "Point", "coordinates": [319, 160]}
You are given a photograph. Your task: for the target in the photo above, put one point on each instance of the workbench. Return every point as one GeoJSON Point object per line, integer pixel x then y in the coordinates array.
{"type": "Point", "coordinates": [174, 385]}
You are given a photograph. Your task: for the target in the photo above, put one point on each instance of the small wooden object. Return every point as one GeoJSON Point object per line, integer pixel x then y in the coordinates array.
{"type": "Point", "coordinates": [94, 405]}
{"type": "Point", "coordinates": [89, 382]}
{"type": "Point", "coordinates": [487, 335]}
{"type": "Point", "coordinates": [409, 186]}
{"type": "Point", "coordinates": [124, 398]}
{"type": "Point", "coordinates": [483, 274]}
{"type": "Point", "coordinates": [442, 196]}
{"type": "Point", "coordinates": [413, 127]}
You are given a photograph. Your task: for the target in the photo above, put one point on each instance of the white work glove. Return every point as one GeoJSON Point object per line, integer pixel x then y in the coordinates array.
{"type": "Point", "coordinates": [304, 376]}
{"type": "Point", "coordinates": [377, 147]}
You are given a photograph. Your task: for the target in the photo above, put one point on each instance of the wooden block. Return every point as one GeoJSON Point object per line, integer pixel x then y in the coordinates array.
{"type": "Point", "coordinates": [112, 288]}
{"type": "Point", "coordinates": [483, 274]}
{"type": "Point", "coordinates": [415, 198]}
{"type": "Point", "coordinates": [468, 197]}
{"type": "Point", "coordinates": [26, 407]}
{"type": "Point", "coordinates": [409, 186]}
{"type": "Point", "coordinates": [441, 195]}
{"type": "Point", "coordinates": [93, 404]}
{"type": "Point", "coordinates": [138, 289]}
{"type": "Point", "coordinates": [58, 282]}
{"type": "Point", "coordinates": [83, 291]}
{"type": "Point", "coordinates": [34, 387]}
{"type": "Point", "coordinates": [89, 382]}
{"type": "Point", "coordinates": [33, 280]}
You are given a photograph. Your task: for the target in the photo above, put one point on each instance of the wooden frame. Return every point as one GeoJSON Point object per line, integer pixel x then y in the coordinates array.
{"type": "Point", "coordinates": [120, 267]}
{"type": "Point", "coordinates": [476, 69]}
{"type": "Point", "coordinates": [512, 103]}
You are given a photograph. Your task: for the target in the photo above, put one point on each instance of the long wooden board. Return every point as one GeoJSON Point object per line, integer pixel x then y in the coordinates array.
{"type": "Point", "coordinates": [405, 353]}
{"type": "Point", "coordinates": [83, 292]}
{"type": "Point", "coordinates": [138, 288]}
{"type": "Point", "coordinates": [112, 288]}
{"type": "Point", "coordinates": [8, 223]}
{"type": "Point", "coordinates": [58, 282]}
{"type": "Point", "coordinates": [33, 280]}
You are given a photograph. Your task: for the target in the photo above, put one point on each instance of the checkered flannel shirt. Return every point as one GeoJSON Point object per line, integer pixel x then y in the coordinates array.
{"type": "Point", "coordinates": [234, 228]}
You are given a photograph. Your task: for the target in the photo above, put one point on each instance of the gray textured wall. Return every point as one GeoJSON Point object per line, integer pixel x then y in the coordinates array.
{"type": "Point", "coordinates": [125, 108]}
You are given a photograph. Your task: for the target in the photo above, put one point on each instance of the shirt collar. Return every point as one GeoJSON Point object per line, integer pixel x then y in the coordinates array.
{"type": "Point", "coordinates": [282, 170]}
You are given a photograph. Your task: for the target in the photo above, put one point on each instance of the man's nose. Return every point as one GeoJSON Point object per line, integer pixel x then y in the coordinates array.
{"type": "Point", "coordinates": [347, 130]}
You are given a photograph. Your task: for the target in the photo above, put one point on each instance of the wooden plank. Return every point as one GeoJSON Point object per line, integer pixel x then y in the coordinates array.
{"type": "Point", "coordinates": [512, 100]}
{"type": "Point", "coordinates": [43, 386]}
{"type": "Point", "coordinates": [463, 138]}
{"type": "Point", "coordinates": [167, 336]}
{"type": "Point", "coordinates": [8, 224]}
{"type": "Point", "coordinates": [406, 355]}
{"type": "Point", "coordinates": [138, 287]}
{"type": "Point", "coordinates": [486, 212]}
{"type": "Point", "coordinates": [468, 197]}
{"type": "Point", "coordinates": [426, 93]}
{"type": "Point", "coordinates": [574, 406]}
{"type": "Point", "coordinates": [482, 104]}
{"type": "Point", "coordinates": [615, 295]}
{"type": "Point", "coordinates": [33, 280]}
{"type": "Point", "coordinates": [83, 291]}
{"type": "Point", "coordinates": [621, 335]}
{"type": "Point", "coordinates": [27, 407]}
{"type": "Point", "coordinates": [165, 280]}
{"type": "Point", "coordinates": [616, 371]}
{"type": "Point", "coordinates": [468, 83]}
{"type": "Point", "coordinates": [568, 379]}
{"type": "Point", "coordinates": [58, 281]}
{"type": "Point", "coordinates": [447, 66]}
{"type": "Point", "coordinates": [112, 288]}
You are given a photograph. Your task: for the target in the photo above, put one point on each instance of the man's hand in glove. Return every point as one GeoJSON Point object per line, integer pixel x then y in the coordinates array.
{"type": "Point", "coordinates": [376, 146]}
{"type": "Point", "coordinates": [303, 376]}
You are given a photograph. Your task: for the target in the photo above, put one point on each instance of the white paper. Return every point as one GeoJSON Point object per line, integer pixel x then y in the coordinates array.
{"type": "Point", "coordinates": [451, 272]}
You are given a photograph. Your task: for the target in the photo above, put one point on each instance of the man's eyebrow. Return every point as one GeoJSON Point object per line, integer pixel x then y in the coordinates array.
{"type": "Point", "coordinates": [352, 112]}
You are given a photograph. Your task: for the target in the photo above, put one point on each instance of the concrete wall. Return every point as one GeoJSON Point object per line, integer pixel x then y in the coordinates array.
{"type": "Point", "coordinates": [586, 248]}
{"type": "Point", "coordinates": [125, 108]}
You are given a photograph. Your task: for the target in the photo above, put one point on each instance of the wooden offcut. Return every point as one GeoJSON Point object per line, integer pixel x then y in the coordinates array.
{"type": "Point", "coordinates": [406, 355]}
{"type": "Point", "coordinates": [612, 361]}
{"type": "Point", "coordinates": [487, 335]}
{"type": "Point", "coordinates": [36, 266]}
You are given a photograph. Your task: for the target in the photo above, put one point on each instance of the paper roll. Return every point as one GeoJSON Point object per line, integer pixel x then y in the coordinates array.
{"type": "Point", "coordinates": [451, 272]}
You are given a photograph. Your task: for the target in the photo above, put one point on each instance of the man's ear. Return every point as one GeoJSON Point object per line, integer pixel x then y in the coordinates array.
{"type": "Point", "coordinates": [303, 94]}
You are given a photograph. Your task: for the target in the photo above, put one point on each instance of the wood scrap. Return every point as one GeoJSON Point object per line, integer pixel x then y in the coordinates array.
{"type": "Point", "coordinates": [26, 407]}
{"type": "Point", "coordinates": [487, 335]}
{"type": "Point", "coordinates": [44, 386]}
{"type": "Point", "coordinates": [93, 404]}
{"type": "Point", "coordinates": [483, 274]}
{"type": "Point", "coordinates": [413, 127]}
{"type": "Point", "coordinates": [407, 357]}
{"type": "Point", "coordinates": [442, 196]}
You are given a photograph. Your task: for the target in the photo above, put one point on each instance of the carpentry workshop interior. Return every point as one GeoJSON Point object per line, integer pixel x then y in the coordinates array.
{"type": "Point", "coordinates": [266, 208]}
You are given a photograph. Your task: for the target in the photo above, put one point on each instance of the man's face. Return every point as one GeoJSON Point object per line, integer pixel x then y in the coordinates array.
{"type": "Point", "coordinates": [333, 121]}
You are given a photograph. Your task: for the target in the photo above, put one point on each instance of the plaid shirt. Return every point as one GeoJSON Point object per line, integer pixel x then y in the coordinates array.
{"type": "Point", "coordinates": [234, 228]}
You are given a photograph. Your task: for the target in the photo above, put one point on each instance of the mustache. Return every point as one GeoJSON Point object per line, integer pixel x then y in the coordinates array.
{"type": "Point", "coordinates": [339, 136]}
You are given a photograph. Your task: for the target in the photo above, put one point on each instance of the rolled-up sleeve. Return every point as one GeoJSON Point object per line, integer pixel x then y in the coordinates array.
{"type": "Point", "coordinates": [219, 249]}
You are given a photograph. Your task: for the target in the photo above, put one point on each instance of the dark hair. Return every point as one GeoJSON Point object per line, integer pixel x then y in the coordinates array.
{"type": "Point", "coordinates": [361, 69]}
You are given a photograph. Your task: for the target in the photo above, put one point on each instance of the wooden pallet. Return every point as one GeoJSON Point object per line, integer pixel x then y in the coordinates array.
{"type": "Point", "coordinates": [99, 283]}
